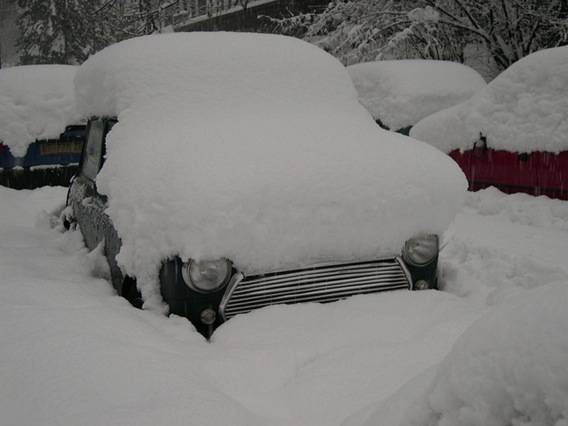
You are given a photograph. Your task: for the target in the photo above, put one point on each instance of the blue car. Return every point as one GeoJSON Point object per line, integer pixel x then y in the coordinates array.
{"type": "Point", "coordinates": [47, 162]}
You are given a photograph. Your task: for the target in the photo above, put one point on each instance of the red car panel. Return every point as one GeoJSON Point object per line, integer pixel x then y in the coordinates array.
{"type": "Point", "coordinates": [537, 173]}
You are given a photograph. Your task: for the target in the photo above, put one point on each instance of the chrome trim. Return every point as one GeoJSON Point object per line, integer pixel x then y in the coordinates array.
{"type": "Point", "coordinates": [299, 276]}
{"type": "Point", "coordinates": [329, 294]}
{"type": "Point", "coordinates": [188, 281]}
{"type": "Point", "coordinates": [321, 283]}
{"type": "Point", "coordinates": [233, 282]}
{"type": "Point", "coordinates": [406, 272]}
{"type": "Point", "coordinates": [318, 265]}
{"type": "Point", "coordinates": [406, 258]}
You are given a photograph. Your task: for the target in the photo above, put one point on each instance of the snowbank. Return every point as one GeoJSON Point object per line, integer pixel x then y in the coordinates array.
{"type": "Point", "coordinates": [255, 148]}
{"type": "Point", "coordinates": [524, 109]}
{"type": "Point", "coordinates": [501, 245]}
{"type": "Point", "coordinates": [401, 93]}
{"type": "Point", "coordinates": [520, 208]}
{"type": "Point", "coordinates": [75, 353]}
{"type": "Point", "coordinates": [36, 102]}
{"type": "Point", "coordinates": [509, 368]}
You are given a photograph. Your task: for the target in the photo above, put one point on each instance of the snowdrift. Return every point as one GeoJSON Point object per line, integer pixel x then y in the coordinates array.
{"type": "Point", "coordinates": [401, 93]}
{"type": "Point", "coordinates": [36, 102]}
{"type": "Point", "coordinates": [509, 368]}
{"type": "Point", "coordinates": [524, 109]}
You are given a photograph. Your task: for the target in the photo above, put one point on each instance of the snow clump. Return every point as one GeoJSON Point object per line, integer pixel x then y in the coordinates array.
{"type": "Point", "coordinates": [524, 109]}
{"type": "Point", "coordinates": [36, 102]}
{"type": "Point", "coordinates": [254, 148]}
{"type": "Point", "coordinates": [508, 368]}
{"type": "Point", "coordinates": [400, 93]}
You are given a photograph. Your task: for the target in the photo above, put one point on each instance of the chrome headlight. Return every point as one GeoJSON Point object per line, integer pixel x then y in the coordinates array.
{"type": "Point", "coordinates": [206, 276]}
{"type": "Point", "coordinates": [420, 250]}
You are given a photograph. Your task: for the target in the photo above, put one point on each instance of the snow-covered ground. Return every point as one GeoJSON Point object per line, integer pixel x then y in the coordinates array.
{"type": "Point", "coordinates": [72, 352]}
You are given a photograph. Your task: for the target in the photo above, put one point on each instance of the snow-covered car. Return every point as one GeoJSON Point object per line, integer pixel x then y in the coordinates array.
{"type": "Point", "coordinates": [41, 135]}
{"type": "Point", "coordinates": [225, 172]}
{"type": "Point", "coordinates": [513, 134]}
{"type": "Point", "coordinates": [399, 93]}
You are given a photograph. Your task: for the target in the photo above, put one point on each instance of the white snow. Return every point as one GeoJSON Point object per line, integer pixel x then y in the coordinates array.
{"type": "Point", "coordinates": [508, 253]}
{"type": "Point", "coordinates": [36, 102]}
{"type": "Point", "coordinates": [73, 352]}
{"type": "Point", "coordinates": [255, 148]}
{"type": "Point", "coordinates": [524, 109]}
{"type": "Point", "coordinates": [489, 349]}
{"type": "Point", "coordinates": [509, 368]}
{"type": "Point", "coordinates": [401, 93]}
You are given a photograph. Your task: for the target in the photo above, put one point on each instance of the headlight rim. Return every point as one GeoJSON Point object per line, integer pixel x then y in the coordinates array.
{"type": "Point", "coordinates": [190, 283]}
{"type": "Point", "coordinates": [430, 238]}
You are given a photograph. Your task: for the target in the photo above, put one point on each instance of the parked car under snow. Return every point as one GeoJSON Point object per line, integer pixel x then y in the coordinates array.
{"type": "Point", "coordinates": [399, 93]}
{"type": "Point", "coordinates": [227, 172]}
{"type": "Point", "coordinates": [41, 134]}
{"type": "Point", "coordinates": [512, 134]}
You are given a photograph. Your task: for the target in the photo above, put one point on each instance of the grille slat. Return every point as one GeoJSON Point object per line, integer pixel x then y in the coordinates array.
{"type": "Point", "coordinates": [322, 272]}
{"type": "Point", "coordinates": [319, 277]}
{"type": "Point", "coordinates": [308, 285]}
{"type": "Point", "coordinates": [316, 284]}
{"type": "Point", "coordinates": [328, 294]}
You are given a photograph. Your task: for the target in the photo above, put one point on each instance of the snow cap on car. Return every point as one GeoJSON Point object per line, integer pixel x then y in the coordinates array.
{"type": "Point", "coordinates": [36, 102]}
{"type": "Point", "coordinates": [400, 93]}
{"type": "Point", "coordinates": [524, 109]}
{"type": "Point", "coordinates": [254, 148]}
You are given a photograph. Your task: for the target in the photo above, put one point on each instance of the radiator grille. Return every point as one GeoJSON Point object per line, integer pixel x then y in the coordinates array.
{"type": "Point", "coordinates": [316, 284]}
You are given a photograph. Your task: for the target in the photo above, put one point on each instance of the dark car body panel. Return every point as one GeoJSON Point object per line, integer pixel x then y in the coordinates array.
{"type": "Point", "coordinates": [88, 208]}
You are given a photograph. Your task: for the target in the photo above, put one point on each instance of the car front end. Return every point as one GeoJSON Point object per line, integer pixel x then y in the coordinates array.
{"type": "Point", "coordinates": [211, 292]}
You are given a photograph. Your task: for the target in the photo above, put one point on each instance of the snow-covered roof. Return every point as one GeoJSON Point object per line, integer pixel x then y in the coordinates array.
{"type": "Point", "coordinates": [255, 148]}
{"type": "Point", "coordinates": [36, 102]}
{"type": "Point", "coordinates": [524, 109]}
{"type": "Point", "coordinates": [400, 93]}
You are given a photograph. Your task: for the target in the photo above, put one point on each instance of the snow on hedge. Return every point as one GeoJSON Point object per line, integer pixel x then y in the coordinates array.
{"type": "Point", "coordinates": [524, 109]}
{"type": "Point", "coordinates": [401, 93]}
{"type": "Point", "coordinates": [255, 148]}
{"type": "Point", "coordinates": [36, 102]}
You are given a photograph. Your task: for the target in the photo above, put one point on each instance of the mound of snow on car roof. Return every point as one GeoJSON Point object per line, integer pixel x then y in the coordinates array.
{"type": "Point", "coordinates": [400, 93]}
{"type": "Point", "coordinates": [36, 102]}
{"type": "Point", "coordinates": [524, 109]}
{"type": "Point", "coordinates": [254, 148]}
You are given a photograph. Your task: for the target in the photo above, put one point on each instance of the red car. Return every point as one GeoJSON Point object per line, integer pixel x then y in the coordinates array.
{"type": "Point", "coordinates": [514, 133]}
{"type": "Point", "coordinates": [535, 173]}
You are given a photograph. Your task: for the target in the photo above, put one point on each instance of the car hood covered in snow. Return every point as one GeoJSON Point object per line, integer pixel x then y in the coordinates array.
{"type": "Point", "coordinates": [524, 109]}
{"type": "Point", "coordinates": [254, 148]}
{"type": "Point", "coordinates": [36, 102]}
